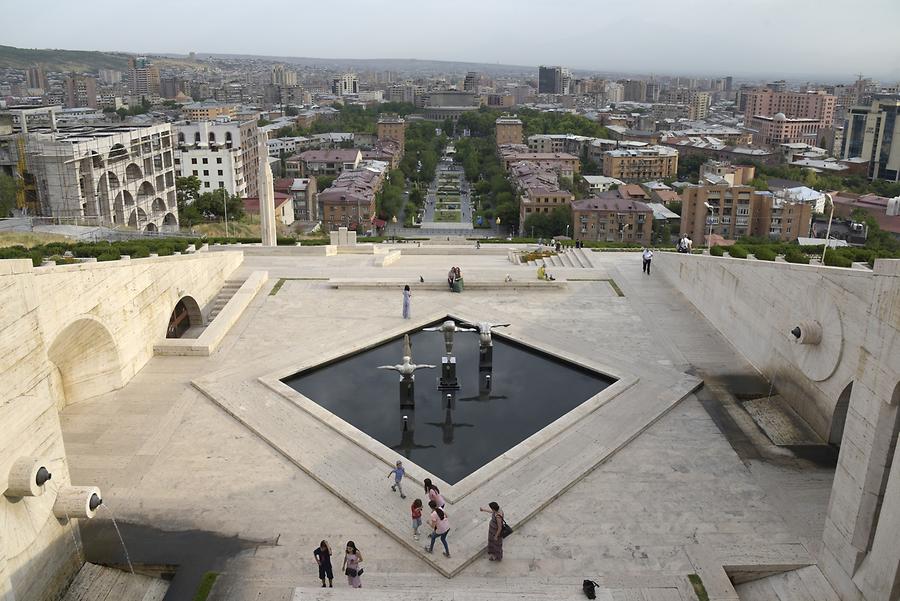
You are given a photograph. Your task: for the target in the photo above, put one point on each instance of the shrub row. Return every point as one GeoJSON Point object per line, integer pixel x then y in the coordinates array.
{"type": "Point", "coordinates": [102, 251]}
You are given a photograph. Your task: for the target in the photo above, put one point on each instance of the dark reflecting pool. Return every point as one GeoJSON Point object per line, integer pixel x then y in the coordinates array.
{"type": "Point", "coordinates": [529, 389]}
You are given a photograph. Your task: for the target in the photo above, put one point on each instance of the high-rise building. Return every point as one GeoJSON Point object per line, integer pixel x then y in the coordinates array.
{"type": "Point", "coordinates": [550, 80]}
{"type": "Point", "coordinates": [699, 106]}
{"type": "Point", "coordinates": [170, 87]}
{"type": "Point", "coordinates": [635, 90]}
{"type": "Point", "coordinates": [110, 77]}
{"type": "Point", "coordinates": [345, 84]}
{"type": "Point", "coordinates": [283, 77]}
{"type": "Point", "coordinates": [80, 91]}
{"type": "Point", "coordinates": [143, 77]}
{"type": "Point", "coordinates": [729, 83]}
{"type": "Point", "coordinates": [471, 82]}
{"type": "Point", "coordinates": [36, 79]}
{"type": "Point", "coordinates": [873, 133]}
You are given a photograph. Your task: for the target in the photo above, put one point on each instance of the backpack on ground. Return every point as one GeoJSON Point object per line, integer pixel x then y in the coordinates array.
{"type": "Point", "coordinates": [589, 588]}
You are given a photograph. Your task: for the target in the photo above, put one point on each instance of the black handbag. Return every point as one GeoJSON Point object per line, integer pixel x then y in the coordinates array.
{"type": "Point", "coordinates": [589, 587]}
{"type": "Point", "coordinates": [505, 530]}
{"type": "Point", "coordinates": [353, 573]}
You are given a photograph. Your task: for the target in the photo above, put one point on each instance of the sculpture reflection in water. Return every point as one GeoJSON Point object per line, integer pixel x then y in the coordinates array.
{"type": "Point", "coordinates": [448, 425]}
{"type": "Point", "coordinates": [408, 436]}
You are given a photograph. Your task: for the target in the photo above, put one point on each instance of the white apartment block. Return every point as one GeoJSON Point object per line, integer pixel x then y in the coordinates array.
{"type": "Point", "coordinates": [221, 154]}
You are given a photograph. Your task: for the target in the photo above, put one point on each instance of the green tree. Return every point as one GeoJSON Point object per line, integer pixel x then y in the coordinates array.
{"type": "Point", "coordinates": [9, 189]}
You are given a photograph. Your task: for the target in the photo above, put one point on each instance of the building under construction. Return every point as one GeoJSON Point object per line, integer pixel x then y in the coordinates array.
{"type": "Point", "coordinates": [120, 175]}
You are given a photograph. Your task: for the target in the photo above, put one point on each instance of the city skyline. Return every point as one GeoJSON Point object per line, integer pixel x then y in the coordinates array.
{"type": "Point", "coordinates": [643, 37]}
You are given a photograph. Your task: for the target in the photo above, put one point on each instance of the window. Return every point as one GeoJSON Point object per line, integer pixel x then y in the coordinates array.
{"type": "Point", "coordinates": [194, 172]}
{"type": "Point", "coordinates": [221, 184]}
{"type": "Point", "coordinates": [220, 172]}
{"type": "Point", "coordinates": [205, 160]}
{"type": "Point", "coordinates": [177, 161]}
{"type": "Point", "coordinates": [219, 160]}
{"type": "Point", "coordinates": [206, 184]}
{"type": "Point", "coordinates": [193, 161]}
{"type": "Point", "coordinates": [206, 172]}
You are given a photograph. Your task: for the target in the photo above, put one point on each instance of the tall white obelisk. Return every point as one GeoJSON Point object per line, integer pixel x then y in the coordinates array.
{"type": "Point", "coordinates": [266, 185]}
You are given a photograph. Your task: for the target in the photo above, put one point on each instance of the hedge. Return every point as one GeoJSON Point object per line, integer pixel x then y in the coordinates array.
{"type": "Point", "coordinates": [834, 259]}
{"type": "Point", "coordinates": [737, 252]}
{"type": "Point", "coordinates": [795, 256]}
{"type": "Point", "coordinates": [764, 253]}
{"type": "Point", "coordinates": [717, 251]}
{"type": "Point", "coordinates": [102, 251]}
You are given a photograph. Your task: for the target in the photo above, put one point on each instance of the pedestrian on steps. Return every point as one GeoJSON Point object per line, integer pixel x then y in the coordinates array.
{"type": "Point", "coordinates": [407, 295]}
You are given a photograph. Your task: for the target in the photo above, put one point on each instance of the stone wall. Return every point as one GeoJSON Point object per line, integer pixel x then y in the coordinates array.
{"type": "Point", "coordinates": [756, 304]}
{"type": "Point", "coordinates": [68, 333]}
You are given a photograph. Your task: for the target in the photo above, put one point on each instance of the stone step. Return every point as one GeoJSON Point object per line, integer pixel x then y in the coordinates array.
{"type": "Point", "coordinates": [575, 257]}
{"type": "Point", "coordinates": [805, 584]}
{"type": "Point", "coordinates": [566, 260]}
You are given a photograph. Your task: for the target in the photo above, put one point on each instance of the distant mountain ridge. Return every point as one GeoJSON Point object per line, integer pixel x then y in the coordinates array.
{"type": "Point", "coordinates": [79, 61]}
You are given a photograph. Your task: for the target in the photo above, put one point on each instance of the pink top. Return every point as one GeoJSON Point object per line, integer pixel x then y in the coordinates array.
{"type": "Point", "coordinates": [440, 525]}
{"type": "Point", "coordinates": [416, 511]}
{"type": "Point", "coordinates": [435, 496]}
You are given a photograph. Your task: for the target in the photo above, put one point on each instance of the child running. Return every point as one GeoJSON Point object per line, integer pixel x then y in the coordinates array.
{"type": "Point", "coordinates": [398, 473]}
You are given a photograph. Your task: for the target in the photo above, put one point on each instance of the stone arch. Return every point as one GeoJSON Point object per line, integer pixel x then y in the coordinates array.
{"type": "Point", "coordinates": [145, 192]}
{"type": "Point", "coordinates": [159, 205]}
{"type": "Point", "coordinates": [117, 153]}
{"type": "Point", "coordinates": [839, 417]}
{"type": "Point", "coordinates": [151, 227]}
{"type": "Point", "coordinates": [170, 223]}
{"type": "Point", "coordinates": [87, 358]}
{"type": "Point", "coordinates": [112, 179]}
{"type": "Point", "coordinates": [133, 172]}
{"type": "Point", "coordinates": [185, 315]}
{"type": "Point", "coordinates": [228, 137]}
{"type": "Point", "coordinates": [181, 137]}
{"type": "Point", "coordinates": [96, 159]}
{"type": "Point", "coordinates": [196, 137]}
{"type": "Point", "coordinates": [137, 217]}
{"type": "Point", "coordinates": [212, 137]}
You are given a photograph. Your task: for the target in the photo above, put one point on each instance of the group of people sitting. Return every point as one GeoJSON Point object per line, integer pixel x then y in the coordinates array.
{"type": "Point", "coordinates": [453, 276]}
{"type": "Point", "coordinates": [685, 244]}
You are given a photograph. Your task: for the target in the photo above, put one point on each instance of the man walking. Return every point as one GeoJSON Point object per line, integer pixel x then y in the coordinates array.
{"type": "Point", "coordinates": [648, 256]}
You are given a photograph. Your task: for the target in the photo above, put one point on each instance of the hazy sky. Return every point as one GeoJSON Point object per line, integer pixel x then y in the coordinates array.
{"type": "Point", "coordinates": [766, 37]}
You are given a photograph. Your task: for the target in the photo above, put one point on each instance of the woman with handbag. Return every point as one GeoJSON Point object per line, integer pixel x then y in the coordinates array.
{"type": "Point", "coordinates": [352, 559]}
{"type": "Point", "coordinates": [496, 531]}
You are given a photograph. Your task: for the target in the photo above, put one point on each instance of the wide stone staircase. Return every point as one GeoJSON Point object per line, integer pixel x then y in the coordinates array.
{"type": "Point", "coordinates": [228, 290]}
{"type": "Point", "coordinates": [578, 258]}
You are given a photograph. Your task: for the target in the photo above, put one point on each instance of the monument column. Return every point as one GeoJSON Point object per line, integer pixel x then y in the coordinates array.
{"type": "Point", "coordinates": [266, 186]}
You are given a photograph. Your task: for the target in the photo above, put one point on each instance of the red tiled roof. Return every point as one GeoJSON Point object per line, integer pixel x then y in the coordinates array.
{"type": "Point", "coordinates": [251, 205]}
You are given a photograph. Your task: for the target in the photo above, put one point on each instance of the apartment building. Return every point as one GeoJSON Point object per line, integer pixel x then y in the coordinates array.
{"type": "Point", "coordinates": [222, 154]}
{"type": "Point", "coordinates": [330, 162]}
{"type": "Point", "coordinates": [538, 189]}
{"type": "Point", "coordinates": [350, 200]}
{"type": "Point", "coordinates": [721, 172]}
{"type": "Point", "coordinates": [392, 127]}
{"type": "Point", "coordinates": [873, 134]}
{"type": "Point", "coordinates": [607, 217]}
{"type": "Point", "coordinates": [345, 85]}
{"type": "Point", "coordinates": [303, 194]}
{"type": "Point", "coordinates": [781, 129]}
{"type": "Point", "coordinates": [735, 211]}
{"type": "Point", "coordinates": [641, 164]}
{"type": "Point", "coordinates": [699, 106]}
{"type": "Point", "coordinates": [208, 110]}
{"type": "Point", "coordinates": [143, 77]}
{"type": "Point", "coordinates": [80, 92]}
{"type": "Point", "coordinates": [566, 165]}
{"type": "Point", "coordinates": [509, 130]}
{"type": "Point", "coordinates": [817, 105]}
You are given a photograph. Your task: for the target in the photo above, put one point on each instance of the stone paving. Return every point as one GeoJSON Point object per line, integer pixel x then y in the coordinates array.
{"type": "Point", "coordinates": [679, 497]}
